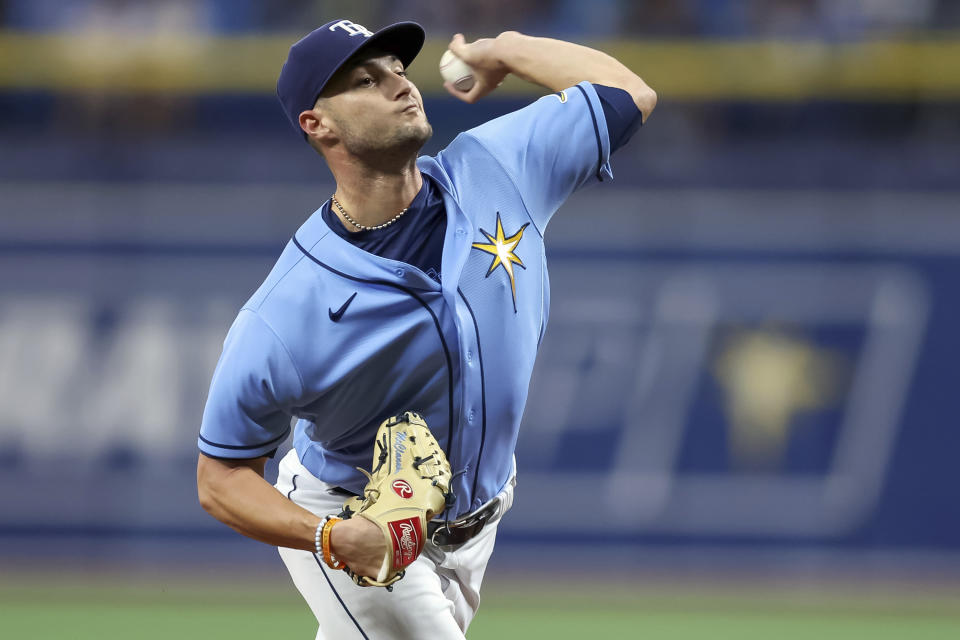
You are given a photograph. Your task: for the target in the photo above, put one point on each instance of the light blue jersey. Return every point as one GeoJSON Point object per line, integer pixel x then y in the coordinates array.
{"type": "Point", "coordinates": [342, 339]}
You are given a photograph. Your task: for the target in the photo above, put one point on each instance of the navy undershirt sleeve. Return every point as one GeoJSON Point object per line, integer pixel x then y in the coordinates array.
{"type": "Point", "coordinates": [621, 112]}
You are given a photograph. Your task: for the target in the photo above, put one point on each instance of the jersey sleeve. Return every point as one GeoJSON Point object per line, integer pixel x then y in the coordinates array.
{"type": "Point", "coordinates": [621, 114]}
{"type": "Point", "coordinates": [252, 394]}
{"type": "Point", "coordinates": [551, 148]}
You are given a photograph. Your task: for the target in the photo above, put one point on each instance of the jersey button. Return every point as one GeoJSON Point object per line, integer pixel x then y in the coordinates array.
{"type": "Point", "coordinates": [399, 272]}
{"type": "Point", "coordinates": [460, 231]}
{"type": "Point", "coordinates": [469, 356]}
{"type": "Point", "coordinates": [471, 415]}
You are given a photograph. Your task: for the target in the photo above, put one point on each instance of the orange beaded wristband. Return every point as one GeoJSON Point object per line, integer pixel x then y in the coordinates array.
{"type": "Point", "coordinates": [328, 557]}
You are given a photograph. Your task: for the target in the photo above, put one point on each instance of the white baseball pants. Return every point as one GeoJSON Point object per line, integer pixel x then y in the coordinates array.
{"type": "Point", "coordinates": [436, 599]}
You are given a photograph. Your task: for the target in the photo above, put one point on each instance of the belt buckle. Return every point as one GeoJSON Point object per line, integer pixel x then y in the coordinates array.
{"type": "Point", "coordinates": [480, 517]}
{"type": "Point", "coordinates": [474, 526]}
{"type": "Point", "coordinates": [433, 536]}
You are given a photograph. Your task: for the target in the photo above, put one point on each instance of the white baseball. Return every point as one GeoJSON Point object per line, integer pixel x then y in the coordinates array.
{"type": "Point", "coordinates": [456, 71]}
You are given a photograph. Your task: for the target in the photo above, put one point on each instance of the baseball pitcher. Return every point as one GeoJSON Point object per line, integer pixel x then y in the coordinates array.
{"type": "Point", "coordinates": [397, 332]}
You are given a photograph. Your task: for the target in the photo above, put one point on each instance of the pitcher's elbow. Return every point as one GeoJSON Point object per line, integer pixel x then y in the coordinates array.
{"type": "Point", "coordinates": [206, 490]}
{"type": "Point", "coordinates": [646, 101]}
{"type": "Point", "coordinates": [207, 501]}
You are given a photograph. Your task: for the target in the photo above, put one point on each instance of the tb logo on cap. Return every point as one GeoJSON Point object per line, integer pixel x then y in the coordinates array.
{"type": "Point", "coordinates": [352, 28]}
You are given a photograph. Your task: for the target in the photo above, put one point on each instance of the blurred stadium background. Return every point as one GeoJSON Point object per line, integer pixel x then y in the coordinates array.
{"type": "Point", "coordinates": [744, 418]}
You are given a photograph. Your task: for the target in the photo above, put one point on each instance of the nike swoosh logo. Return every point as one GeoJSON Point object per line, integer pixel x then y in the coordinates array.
{"type": "Point", "coordinates": [336, 315]}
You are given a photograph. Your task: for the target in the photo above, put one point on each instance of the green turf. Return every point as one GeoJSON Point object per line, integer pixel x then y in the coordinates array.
{"type": "Point", "coordinates": [235, 610]}
{"type": "Point", "coordinates": [699, 625]}
{"type": "Point", "coordinates": [72, 621]}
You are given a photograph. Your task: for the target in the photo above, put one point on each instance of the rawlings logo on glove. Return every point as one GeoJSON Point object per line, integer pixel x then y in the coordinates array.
{"type": "Point", "coordinates": [408, 486]}
{"type": "Point", "coordinates": [402, 488]}
{"type": "Point", "coordinates": [407, 538]}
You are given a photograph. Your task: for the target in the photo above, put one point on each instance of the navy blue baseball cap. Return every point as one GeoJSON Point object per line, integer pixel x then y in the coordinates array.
{"type": "Point", "coordinates": [314, 59]}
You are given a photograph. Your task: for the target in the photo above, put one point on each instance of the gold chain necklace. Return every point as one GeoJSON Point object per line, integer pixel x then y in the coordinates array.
{"type": "Point", "coordinates": [364, 227]}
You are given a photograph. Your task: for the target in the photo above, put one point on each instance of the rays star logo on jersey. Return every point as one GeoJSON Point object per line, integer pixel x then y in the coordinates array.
{"type": "Point", "coordinates": [503, 250]}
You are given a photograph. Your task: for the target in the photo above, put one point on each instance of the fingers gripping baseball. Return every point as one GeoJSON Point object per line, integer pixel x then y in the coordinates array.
{"type": "Point", "coordinates": [488, 70]}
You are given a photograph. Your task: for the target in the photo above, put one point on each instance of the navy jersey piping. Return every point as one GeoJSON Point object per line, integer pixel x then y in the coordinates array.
{"type": "Point", "coordinates": [339, 599]}
{"type": "Point", "coordinates": [246, 447]}
{"type": "Point", "coordinates": [483, 395]}
{"type": "Point", "coordinates": [436, 323]}
{"type": "Point", "coordinates": [290, 493]}
{"type": "Point", "coordinates": [596, 130]}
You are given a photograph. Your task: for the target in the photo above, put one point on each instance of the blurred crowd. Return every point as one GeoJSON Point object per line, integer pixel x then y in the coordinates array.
{"type": "Point", "coordinates": [593, 18]}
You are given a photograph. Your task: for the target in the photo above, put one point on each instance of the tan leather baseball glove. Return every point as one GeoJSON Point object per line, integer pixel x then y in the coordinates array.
{"type": "Point", "coordinates": [408, 485]}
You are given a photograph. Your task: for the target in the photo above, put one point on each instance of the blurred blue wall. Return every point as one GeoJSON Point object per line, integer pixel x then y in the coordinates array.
{"type": "Point", "coordinates": [756, 362]}
{"type": "Point", "coordinates": [751, 346]}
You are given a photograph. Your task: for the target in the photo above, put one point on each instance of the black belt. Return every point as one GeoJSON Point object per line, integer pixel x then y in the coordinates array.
{"type": "Point", "coordinates": [340, 491]}
{"type": "Point", "coordinates": [456, 532]}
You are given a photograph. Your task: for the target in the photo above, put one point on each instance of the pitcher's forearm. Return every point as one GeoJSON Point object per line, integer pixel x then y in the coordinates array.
{"type": "Point", "coordinates": [236, 494]}
{"type": "Point", "coordinates": [557, 64]}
